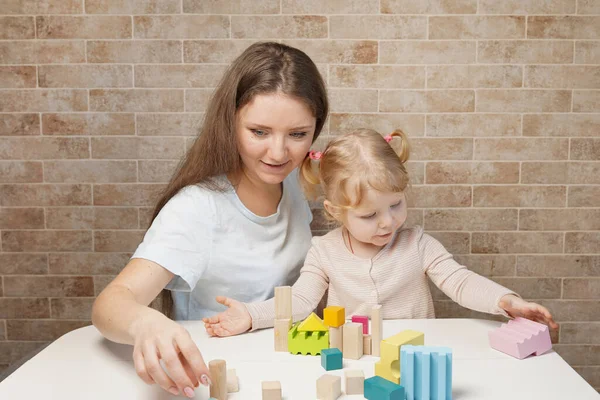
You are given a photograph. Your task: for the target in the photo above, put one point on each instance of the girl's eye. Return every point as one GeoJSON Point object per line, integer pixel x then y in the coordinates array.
{"type": "Point", "coordinates": [258, 132]}
{"type": "Point", "coordinates": [397, 204]}
{"type": "Point", "coordinates": [299, 135]}
{"type": "Point", "coordinates": [368, 216]}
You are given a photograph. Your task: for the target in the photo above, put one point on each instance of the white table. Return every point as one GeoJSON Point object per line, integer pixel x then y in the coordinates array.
{"type": "Point", "coordinates": [83, 365]}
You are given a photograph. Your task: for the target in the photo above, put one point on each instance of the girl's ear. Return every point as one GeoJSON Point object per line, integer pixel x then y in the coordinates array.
{"type": "Point", "coordinates": [332, 210]}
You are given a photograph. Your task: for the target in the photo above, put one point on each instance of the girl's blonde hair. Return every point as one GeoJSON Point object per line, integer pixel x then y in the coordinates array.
{"type": "Point", "coordinates": [354, 163]}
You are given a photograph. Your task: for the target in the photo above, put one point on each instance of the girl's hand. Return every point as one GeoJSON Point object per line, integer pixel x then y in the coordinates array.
{"type": "Point", "coordinates": [517, 307]}
{"type": "Point", "coordinates": [233, 321]}
{"type": "Point", "coordinates": [156, 338]}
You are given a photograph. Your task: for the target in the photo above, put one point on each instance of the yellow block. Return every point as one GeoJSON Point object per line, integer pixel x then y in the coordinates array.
{"type": "Point", "coordinates": [334, 316]}
{"type": "Point", "coordinates": [386, 372]}
{"type": "Point", "coordinates": [312, 324]}
{"type": "Point", "coordinates": [388, 366]}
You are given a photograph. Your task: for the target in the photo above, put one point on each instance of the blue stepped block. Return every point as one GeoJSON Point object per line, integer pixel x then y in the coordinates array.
{"type": "Point", "coordinates": [331, 359]}
{"type": "Point", "coordinates": [426, 372]}
{"type": "Point", "coordinates": [377, 388]}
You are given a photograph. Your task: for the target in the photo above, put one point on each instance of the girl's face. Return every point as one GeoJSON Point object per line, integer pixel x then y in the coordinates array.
{"type": "Point", "coordinates": [377, 217]}
{"type": "Point", "coordinates": [274, 132]}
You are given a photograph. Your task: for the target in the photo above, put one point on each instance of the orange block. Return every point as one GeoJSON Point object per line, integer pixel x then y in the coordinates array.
{"type": "Point", "coordinates": [334, 316]}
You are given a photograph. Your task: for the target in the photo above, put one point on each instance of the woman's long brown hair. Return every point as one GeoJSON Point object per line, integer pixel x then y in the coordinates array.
{"type": "Point", "coordinates": [261, 69]}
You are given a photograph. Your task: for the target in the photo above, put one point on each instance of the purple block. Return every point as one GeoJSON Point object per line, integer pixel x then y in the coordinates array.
{"type": "Point", "coordinates": [364, 320]}
{"type": "Point", "coordinates": [520, 338]}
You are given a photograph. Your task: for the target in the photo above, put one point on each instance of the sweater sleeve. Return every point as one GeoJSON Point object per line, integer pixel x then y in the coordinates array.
{"type": "Point", "coordinates": [307, 292]}
{"type": "Point", "coordinates": [465, 287]}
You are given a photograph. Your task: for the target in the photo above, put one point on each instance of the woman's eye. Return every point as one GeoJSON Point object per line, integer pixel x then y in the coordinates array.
{"type": "Point", "coordinates": [299, 134]}
{"type": "Point", "coordinates": [258, 132]}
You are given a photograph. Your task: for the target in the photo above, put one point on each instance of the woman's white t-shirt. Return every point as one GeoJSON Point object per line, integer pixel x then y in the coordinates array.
{"type": "Point", "coordinates": [216, 246]}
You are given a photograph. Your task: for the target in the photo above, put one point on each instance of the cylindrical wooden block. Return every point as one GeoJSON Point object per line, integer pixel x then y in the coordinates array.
{"type": "Point", "coordinates": [336, 337]}
{"type": "Point", "coordinates": [376, 329]}
{"type": "Point", "coordinates": [282, 327]}
{"type": "Point", "coordinates": [218, 376]}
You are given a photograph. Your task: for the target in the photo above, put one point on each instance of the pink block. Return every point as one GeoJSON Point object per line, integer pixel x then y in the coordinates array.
{"type": "Point", "coordinates": [362, 319]}
{"type": "Point", "coordinates": [520, 338]}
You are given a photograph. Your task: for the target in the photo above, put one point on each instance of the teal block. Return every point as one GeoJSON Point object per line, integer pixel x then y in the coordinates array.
{"type": "Point", "coordinates": [331, 359]}
{"type": "Point", "coordinates": [377, 388]}
{"type": "Point", "coordinates": [426, 372]}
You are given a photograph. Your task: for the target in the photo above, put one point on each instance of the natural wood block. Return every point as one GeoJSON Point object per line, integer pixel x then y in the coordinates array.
{"type": "Point", "coordinates": [233, 382]}
{"type": "Point", "coordinates": [329, 387]}
{"type": "Point", "coordinates": [218, 375]}
{"type": "Point", "coordinates": [353, 340]}
{"type": "Point", "coordinates": [283, 302]}
{"type": "Point", "coordinates": [376, 329]}
{"type": "Point", "coordinates": [282, 327]}
{"type": "Point", "coordinates": [271, 390]}
{"type": "Point", "coordinates": [355, 381]}
{"type": "Point", "coordinates": [336, 337]}
{"type": "Point", "coordinates": [367, 345]}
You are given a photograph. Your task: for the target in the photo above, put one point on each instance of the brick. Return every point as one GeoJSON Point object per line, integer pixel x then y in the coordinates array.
{"type": "Point", "coordinates": [136, 100]}
{"type": "Point", "coordinates": [582, 242]}
{"type": "Point", "coordinates": [527, 7]}
{"type": "Point", "coordinates": [145, 214]}
{"type": "Point", "coordinates": [283, 27]}
{"type": "Point", "coordinates": [43, 100]}
{"type": "Point", "coordinates": [127, 194]}
{"type": "Point", "coordinates": [588, 7]}
{"type": "Point", "coordinates": [20, 172]}
{"type": "Point", "coordinates": [471, 220]}
{"type": "Point", "coordinates": [21, 195]}
{"type": "Point", "coordinates": [558, 266]}
{"type": "Point", "coordinates": [563, 27]}
{"type": "Point", "coordinates": [41, 329]}
{"type": "Point", "coordinates": [21, 218]}
{"type": "Point", "coordinates": [43, 148]}
{"type": "Point", "coordinates": [477, 27]}
{"type": "Point", "coordinates": [440, 196]}
{"type": "Point", "coordinates": [586, 101]}
{"type": "Point", "coordinates": [231, 7]}
{"type": "Point", "coordinates": [489, 264]}
{"type": "Point", "coordinates": [377, 77]}
{"type": "Point", "coordinates": [196, 100]}
{"type": "Point", "coordinates": [156, 170]}
{"type": "Point", "coordinates": [24, 308]}
{"type": "Point", "coordinates": [519, 196]}
{"type": "Point", "coordinates": [533, 288]}
{"type": "Point", "coordinates": [48, 286]}
{"type": "Point", "coordinates": [441, 149]}
{"type": "Point", "coordinates": [85, 76]}
{"type": "Point", "coordinates": [568, 125]}
{"type": "Point", "coordinates": [521, 149]}
{"type": "Point", "coordinates": [65, 124]}
{"type": "Point", "coordinates": [42, 7]}
{"type": "Point", "coordinates": [573, 310]}
{"type": "Point", "coordinates": [329, 7]}
{"type": "Point", "coordinates": [43, 52]}
{"type": "Point", "coordinates": [352, 100]}
{"type": "Point", "coordinates": [18, 77]}
{"type": "Point", "coordinates": [83, 27]}
{"type": "Point", "coordinates": [585, 149]}
{"type": "Point", "coordinates": [71, 308]}
{"type": "Point", "coordinates": [377, 27]}
{"type": "Point", "coordinates": [115, 218]}
{"type": "Point", "coordinates": [429, 7]}
{"type": "Point", "coordinates": [181, 27]}
{"type": "Point", "coordinates": [472, 172]}
{"type": "Point", "coordinates": [517, 242]}
{"type": "Point", "coordinates": [587, 52]}
{"type": "Point", "coordinates": [473, 125]}
{"type": "Point", "coordinates": [134, 51]}
{"type": "Point", "coordinates": [580, 332]}
{"type": "Point", "coordinates": [137, 147]}
{"type": "Point", "coordinates": [29, 241]}
{"type": "Point", "coordinates": [450, 309]}
{"type": "Point", "coordinates": [13, 351]}
{"type": "Point", "coordinates": [427, 52]}
{"type": "Point", "coordinates": [17, 28]}
{"type": "Point", "coordinates": [219, 51]}
{"type": "Point", "coordinates": [19, 124]}
{"type": "Point", "coordinates": [90, 171]}
{"type": "Point", "coordinates": [532, 100]}
{"type": "Point", "coordinates": [117, 241]}
{"type": "Point", "coordinates": [427, 101]}
{"type": "Point", "coordinates": [583, 196]}
{"type": "Point", "coordinates": [581, 288]}
{"type": "Point", "coordinates": [101, 282]}
{"type": "Point", "coordinates": [559, 220]}
{"type": "Point", "coordinates": [22, 263]}
{"type": "Point", "coordinates": [412, 124]}
{"type": "Point", "coordinates": [474, 76]}
{"type": "Point", "coordinates": [454, 242]}
{"type": "Point", "coordinates": [70, 218]}
{"type": "Point", "coordinates": [525, 51]}
{"type": "Point", "coordinates": [337, 51]}
{"type": "Point", "coordinates": [560, 172]}
{"type": "Point", "coordinates": [132, 7]}
{"type": "Point", "coordinates": [183, 76]}
{"type": "Point", "coordinates": [87, 263]}
{"type": "Point", "coordinates": [165, 124]}
{"type": "Point", "coordinates": [563, 76]}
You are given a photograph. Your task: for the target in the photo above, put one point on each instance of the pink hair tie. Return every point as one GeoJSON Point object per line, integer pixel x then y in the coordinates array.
{"type": "Point", "coordinates": [388, 138]}
{"type": "Point", "coordinates": [315, 155]}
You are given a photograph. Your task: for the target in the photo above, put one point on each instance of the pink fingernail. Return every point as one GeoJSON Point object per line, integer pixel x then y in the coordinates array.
{"type": "Point", "coordinates": [205, 380]}
{"type": "Point", "coordinates": [188, 392]}
{"type": "Point", "coordinates": [173, 390]}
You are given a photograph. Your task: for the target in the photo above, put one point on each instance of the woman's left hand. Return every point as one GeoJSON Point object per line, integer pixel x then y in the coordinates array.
{"type": "Point", "coordinates": [517, 307]}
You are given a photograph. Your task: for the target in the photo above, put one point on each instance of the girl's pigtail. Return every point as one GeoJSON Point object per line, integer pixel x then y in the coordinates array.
{"type": "Point", "coordinates": [309, 178]}
{"type": "Point", "coordinates": [403, 149]}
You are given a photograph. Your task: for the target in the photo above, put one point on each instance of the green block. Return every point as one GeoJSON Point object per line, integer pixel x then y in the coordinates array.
{"type": "Point", "coordinates": [307, 342]}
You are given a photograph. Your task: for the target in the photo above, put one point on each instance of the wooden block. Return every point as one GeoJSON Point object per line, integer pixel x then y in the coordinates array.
{"type": "Point", "coordinates": [334, 316]}
{"type": "Point", "coordinates": [283, 302]}
{"type": "Point", "coordinates": [377, 388]}
{"type": "Point", "coordinates": [388, 366]}
{"type": "Point", "coordinates": [329, 387]}
{"type": "Point", "coordinates": [362, 319]}
{"type": "Point", "coordinates": [376, 329]}
{"type": "Point", "coordinates": [271, 390]}
{"type": "Point", "coordinates": [331, 359]}
{"type": "Point", "coordinates": [312, 324]}
{"type": "Point", "coordinates": [355, 381]}
{"type": "Point", "coordinates": [282, 327]}
{"type": "Point", "coordinates": [336, 337]}
{"type": "Point", "coordinates": [353, 340]}
{"type": "Point", "coordinates": [367, 344]}
{"type": "Point", "coordinates": [233, 382]}
{"type": "Point", "coordinates": [218, 376]}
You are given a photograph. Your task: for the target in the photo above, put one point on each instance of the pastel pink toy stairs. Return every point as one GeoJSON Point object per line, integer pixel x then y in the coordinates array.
{"type": "Point", "coordinates": [520, 338]}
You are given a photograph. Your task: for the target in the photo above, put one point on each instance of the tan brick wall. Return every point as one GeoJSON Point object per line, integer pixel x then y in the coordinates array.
{"type": "Point", "coordinates": [100, 98]}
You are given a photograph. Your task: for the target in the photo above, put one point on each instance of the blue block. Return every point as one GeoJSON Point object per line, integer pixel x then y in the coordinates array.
{"type": "Point", "coordinates": [426, 372]}
{"type": "Point", "coordinates": [377, 388]}
{"type": "Point", "coordinates": [331, 359]}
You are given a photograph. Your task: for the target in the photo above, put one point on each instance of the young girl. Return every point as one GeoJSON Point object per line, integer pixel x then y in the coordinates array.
{"type": "Point", "coordinates": [373, 258]}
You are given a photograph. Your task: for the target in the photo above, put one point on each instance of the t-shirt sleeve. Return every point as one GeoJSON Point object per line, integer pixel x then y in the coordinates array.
{"type": "Point", "coordinates": [180, 237]}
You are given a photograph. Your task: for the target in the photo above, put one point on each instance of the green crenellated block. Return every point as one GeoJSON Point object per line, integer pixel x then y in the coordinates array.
{"type": "Point", "coordinates": [307, 342]}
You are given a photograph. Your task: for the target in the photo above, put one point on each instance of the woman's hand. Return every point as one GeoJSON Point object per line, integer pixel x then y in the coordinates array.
{"type": "Point", "coordinates": [233, 321]}
{"type": "Point", "coordinates": [517, 307]}
{"type": "Point", "coordinates": [156, 338]}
